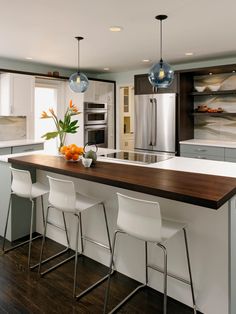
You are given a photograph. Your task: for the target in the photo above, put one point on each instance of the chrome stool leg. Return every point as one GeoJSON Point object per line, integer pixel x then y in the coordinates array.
{"type": "Point", "coordinates": [5, 231]}
{"type": "Point", "coordinates": [31, 231]}
{"type": "Point", "coordinates": [95, 242]}
{"type": "Point", "coordinates": [43, 242]}
{"type": "Point", "coordinates": [165, 277]}
{"type": "Point", "coordinates": [109, 282]}
{"type": "Point", "coordinates": [76, 253]}
{"type": "Point", "coordinates": [190, 271]}
{"type": "Point", "coordinates": [57, 254]}
{"type": "Point", "coordinates": [146, 263]}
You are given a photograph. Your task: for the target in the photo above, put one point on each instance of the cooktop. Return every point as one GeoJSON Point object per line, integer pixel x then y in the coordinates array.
{"type": "Point", "coordinates": [138, 157]}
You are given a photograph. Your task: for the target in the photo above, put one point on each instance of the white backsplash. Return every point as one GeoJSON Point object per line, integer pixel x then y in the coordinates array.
{"type": "Point", "coordinates": [12, 128]}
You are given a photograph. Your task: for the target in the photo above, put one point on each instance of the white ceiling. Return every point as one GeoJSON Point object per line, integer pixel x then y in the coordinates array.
{"type": "Point", "coordinates": [45, 31]}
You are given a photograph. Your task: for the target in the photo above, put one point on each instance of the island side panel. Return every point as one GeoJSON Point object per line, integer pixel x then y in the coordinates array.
{"type": "Point", "coordinates": [232, 256]}
{"type": "Point", "coordinates": [208, 242]}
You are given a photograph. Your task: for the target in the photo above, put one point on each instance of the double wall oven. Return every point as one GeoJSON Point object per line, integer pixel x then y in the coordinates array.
{"type": "Point", "coordinates": [95, 123]}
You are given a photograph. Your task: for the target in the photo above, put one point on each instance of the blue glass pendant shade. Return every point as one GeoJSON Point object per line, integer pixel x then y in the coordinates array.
{"type": "Point", "coordinates": [161, 75]}
{"type": "Point", "coordinates": [78, 82]}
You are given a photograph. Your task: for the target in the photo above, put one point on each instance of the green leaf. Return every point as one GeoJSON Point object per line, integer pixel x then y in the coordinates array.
{"type": "Point", "coordinates": [73, 123]}
{"type": "Point", "coordinates": [50, 135]}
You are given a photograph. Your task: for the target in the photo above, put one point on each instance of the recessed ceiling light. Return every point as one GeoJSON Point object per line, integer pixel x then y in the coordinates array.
{"type": "Point", "coordinates": [28, 58]}
{"type": "Point", "coordinates": [210, 73]}
{"type": "Point", "coordinates": [115, 28]}
{"type": "Point", "coordinates": [106, 69]}
{"type": "Point", "coordinates": [188, 53]}
{"type": "Point", "coordinates": [145, 60]}
{"type": "Point", "coordinates": [233, 71]}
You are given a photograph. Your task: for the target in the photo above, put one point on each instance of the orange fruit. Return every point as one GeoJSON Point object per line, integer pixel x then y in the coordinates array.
{"type": "Point", "coordinates": [63, 149]}
{"type": "Point", "coordinates": [79, 150]}
{"type": "Point", "coordinates": [73, 150]}
{"type": "Point", "coordinates": [68, 155]}
{"type": "Point", "coordinates": [75, 157]}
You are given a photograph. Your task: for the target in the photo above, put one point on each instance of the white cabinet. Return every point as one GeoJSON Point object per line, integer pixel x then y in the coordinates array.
{"type": "Point", "coordinates": [103, 92]}
{"type": "Point", "coordinates": [17, 94]}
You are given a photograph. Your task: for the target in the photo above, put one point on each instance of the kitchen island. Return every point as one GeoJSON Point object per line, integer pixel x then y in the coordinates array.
{"type": "Point", "coordinates": [205, 202]}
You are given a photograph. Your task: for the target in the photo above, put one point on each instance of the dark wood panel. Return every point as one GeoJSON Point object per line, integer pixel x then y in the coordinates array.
{"type": "Point", "coordinates": [142, 86]}
{"type": "Point", "coordinates": [23, 292]}
{"type": "Point", "coordinates": [199, 189]}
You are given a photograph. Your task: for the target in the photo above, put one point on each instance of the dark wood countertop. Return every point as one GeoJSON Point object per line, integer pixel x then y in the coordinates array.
{"type": "Point", "coordinates": [199, 189]}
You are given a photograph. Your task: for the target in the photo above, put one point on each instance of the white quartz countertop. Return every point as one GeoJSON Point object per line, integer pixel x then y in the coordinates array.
{"type": "Point", "coordinates": [4, 144]}
{"type": "Point", "coordinates": [216, 143]}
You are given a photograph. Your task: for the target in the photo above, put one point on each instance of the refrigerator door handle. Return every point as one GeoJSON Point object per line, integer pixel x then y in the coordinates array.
{"type": "Point", "coordinates": [154, 122]}
{"type": "Point", "coordinates": [150, 121]}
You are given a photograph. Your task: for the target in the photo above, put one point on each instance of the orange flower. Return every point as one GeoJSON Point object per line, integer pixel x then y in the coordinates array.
{"type": "Point", "coordinates": [71, 104]}
{"type": "Point", "coordinates": [75, 109]}
{"type": "Point", "coordinates": [52, 111]}
{"type": "Point", "coordinates": [44, 115]}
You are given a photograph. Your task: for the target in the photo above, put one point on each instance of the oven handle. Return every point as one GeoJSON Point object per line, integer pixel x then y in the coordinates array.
{"type": "Point", "coordinates": [95, 111]}
{"type": "Point", "coordinates": [95, 127]}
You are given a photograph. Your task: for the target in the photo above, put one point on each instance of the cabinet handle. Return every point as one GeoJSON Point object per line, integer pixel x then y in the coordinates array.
{"type": "Point", "coordinates": [201, 157]}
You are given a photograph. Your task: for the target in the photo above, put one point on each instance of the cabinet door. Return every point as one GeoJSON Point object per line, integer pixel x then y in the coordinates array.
{"type": "Point", "coordinates": [17, 94]}
{"type": "Point", "coordinates": [22, 94]}
{"type": "Point", "coordinates": [89, 95]}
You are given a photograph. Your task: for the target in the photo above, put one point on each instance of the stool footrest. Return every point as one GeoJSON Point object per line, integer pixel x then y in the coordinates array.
{"type": "Point", "coordinates": [57, 265]}
{"type": "Point", "coordinates": [21, 244]}
{"type": "Point", "coordinates": [95, 242]}
{"type": "Point", "coordinates": [50, 258]}
{"type": "Point", "coordinates": [55, 225]}
{"type": "Point", "coordinates": [97, 283]}
{"type": "Point", "coordinates": [161, 270]}
{"type": "Point", "coordinates": [129, 296]}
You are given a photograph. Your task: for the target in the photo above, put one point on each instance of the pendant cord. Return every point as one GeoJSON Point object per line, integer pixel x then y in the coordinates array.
{"type": "Point", "coordinates": [161, 40]}
{"type": "Point", "coordinates": [78, 57]}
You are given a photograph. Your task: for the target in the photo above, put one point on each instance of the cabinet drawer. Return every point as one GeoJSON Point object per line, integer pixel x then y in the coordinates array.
{"type": "Point", "coordinates": [5, 151]}
{"type": "Point", "coordinates": [202, 156]}
{"type": "Point", "coordinates": [202, 150]}
{"type": "Point", "coordinates": [27, 148]}
{"type": "Point", "coordinates": [230, 153]}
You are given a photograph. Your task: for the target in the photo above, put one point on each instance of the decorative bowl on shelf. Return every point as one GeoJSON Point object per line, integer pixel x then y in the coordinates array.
{"type": "Point", "coordinates": [200, 88]}
{"type": "Point", "coordinates": [214, 88]}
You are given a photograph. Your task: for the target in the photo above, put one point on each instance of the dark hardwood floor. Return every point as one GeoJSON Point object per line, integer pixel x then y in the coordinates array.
{"type": "Point", "coordinates": [22, 292]}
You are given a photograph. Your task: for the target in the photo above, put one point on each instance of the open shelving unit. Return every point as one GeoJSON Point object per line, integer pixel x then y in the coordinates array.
{"type": "Point", "coordinates": [209, 93]}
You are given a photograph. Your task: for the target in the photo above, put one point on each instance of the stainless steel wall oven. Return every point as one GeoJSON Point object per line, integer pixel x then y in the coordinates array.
{"type": "Point", "coordinates": [95, 123]}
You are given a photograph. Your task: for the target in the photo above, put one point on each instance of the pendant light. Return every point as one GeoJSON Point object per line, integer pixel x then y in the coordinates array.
{"type": "Point", "coordinates": [161, 75]}
{"type": "Point", "coordinates": [78, 81]}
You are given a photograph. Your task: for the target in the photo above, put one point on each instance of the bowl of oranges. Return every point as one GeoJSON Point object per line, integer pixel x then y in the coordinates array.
{"type": "Point", "coordinates": [72, 152]}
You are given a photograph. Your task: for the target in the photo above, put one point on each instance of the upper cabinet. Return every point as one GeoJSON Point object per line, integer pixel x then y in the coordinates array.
{"type": "Point", "coordinates": [142, 86]}
{"type": "Point", "coordinates": [104, 92]}
{"type": "Point", "coordinates": [17, 94]}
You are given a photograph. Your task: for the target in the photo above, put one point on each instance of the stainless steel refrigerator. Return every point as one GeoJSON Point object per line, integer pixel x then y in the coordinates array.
{"type": "Point", "coordinates": [155, 122]}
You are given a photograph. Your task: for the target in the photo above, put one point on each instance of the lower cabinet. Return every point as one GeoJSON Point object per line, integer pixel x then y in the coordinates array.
{"type": "Point", "coordinates": [208, 152]}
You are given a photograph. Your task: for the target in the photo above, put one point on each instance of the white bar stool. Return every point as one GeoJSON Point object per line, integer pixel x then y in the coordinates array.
{"type": "Point", "coordinates": [22, 186]}
{"type": "Point", "coordinates": [62, 196]}
{"type": "Point", "coordinates": [142, 220]}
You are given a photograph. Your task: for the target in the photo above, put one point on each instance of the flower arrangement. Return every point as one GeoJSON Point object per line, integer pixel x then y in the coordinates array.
{"type": "Point", "coordinates": [62, 126]}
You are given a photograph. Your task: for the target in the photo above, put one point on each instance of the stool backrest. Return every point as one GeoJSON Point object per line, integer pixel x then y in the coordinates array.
{"type": "Point", "coordinates": [21, 182]}
{"type": "Point", "coordinates": [62, 194]}
{"type": "Point", "coordinates": [139, 218]}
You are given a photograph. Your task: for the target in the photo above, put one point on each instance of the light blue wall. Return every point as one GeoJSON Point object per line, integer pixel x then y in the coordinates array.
{"type": "Point", "coordinates": [127, 78]}
{"type": "Point", "coordinates": [29, 66]}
